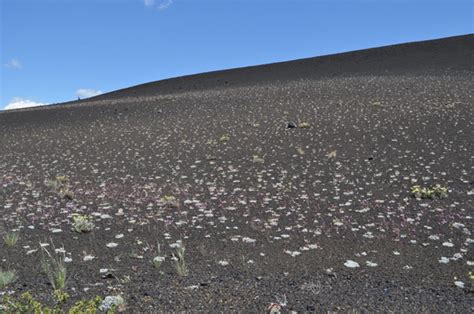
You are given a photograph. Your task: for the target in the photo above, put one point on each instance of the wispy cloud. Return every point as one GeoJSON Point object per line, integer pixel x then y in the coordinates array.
{"type": "Point", "coordinates": [18, 103]}
{"type": "Point", "coordinates": [87, 92]}
{"type": "Point", "coordinates": [160, 5]}
{"type": "Point", "coordinates": [149, 3]}
{"type": "Point", "coordinates": [163, 5]}
{"type": "Point", "coordinates": [13, 64]}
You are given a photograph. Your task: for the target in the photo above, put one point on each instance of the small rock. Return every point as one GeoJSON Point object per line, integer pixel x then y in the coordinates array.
{"type": "Point", "coordinates": [291, 125]}
{"type": "Point", "coordinates": [459, 284]}
{"type": "Point", "coordinates": [351, 264]}
{"type": "Point", "coordinates": [443, 260]}
{"type": "Point", "coordinates": [371, 264]}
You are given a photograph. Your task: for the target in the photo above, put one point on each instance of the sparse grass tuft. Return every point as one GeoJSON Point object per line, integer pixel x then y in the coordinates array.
{"type": "Point", "coordinates": [7, 277]}
{"type": "Point", "coordinates": [54, 268]}
{"type": "Point", "coordinates": [60, 184]}
{"type": "Point", "coordinates": [11, 238]}
{"type": "Point", "coordinates": [179, 262]}
{"type": "Point", "coordinates": [158, 259]}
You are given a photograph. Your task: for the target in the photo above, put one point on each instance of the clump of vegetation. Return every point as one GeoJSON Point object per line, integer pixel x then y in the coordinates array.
{"type": "Point", "coordinates": [303, 125]}
{"type": "Point", "coordinates": [275, 307]}
{"type": "Point", "coordinates": [159, 259]}
{"type": "Point", "coordinates": [332, 154]}
{"type": "Point", "coordinates": [377, 104]}
{"type": "Point", "coordinates": [7, 277]}
{"type": "Point", "coordinates": [87, 306]}
{"type": "Point", "coordinates": [54, 267]}
{"type": "Point", "coordinates": [257, 159]}
{"type": "Point", "coordinates": [179, 261]}
{"type": "Point", "coordinates": [169, 200]}
{"type": "Point", "coordinates": [224, 138]}
{"type": "Point", "coordinates": [429, 193]}
{"type": "Point", "coordinates": [112, 303]}
{"type": "Point", "coordinates": [60, 184]}
{"type": "Point", "coordinates": [11, 238]}
{"type": "Point", "coordinates": [60, 296]}
{"type": "Point", "coordinates": [25, 303]}
{"type": "Point", "coordinates": [82, 223]}
{"type": "Point", "coordinates": [211, 142]}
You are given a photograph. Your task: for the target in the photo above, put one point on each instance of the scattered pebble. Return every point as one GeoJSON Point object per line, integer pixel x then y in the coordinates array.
{"type": "Point", "coordinates": [459, 284]}
{"type": "Point", "coordinates": [351, 264]}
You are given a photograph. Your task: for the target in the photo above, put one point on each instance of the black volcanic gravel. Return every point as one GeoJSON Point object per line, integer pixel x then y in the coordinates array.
{"type": "Point", "coordinates": [266, 213]}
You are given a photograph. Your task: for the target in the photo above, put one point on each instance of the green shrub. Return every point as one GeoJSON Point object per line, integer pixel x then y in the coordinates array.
{"type": "Point", "coordinates": [429, 193]}
{"type": "Point", "coordinates": [82, 223]}
{"type": "Point", "coordinates": [25, 303]}
{"type": "Point", "coordinates": [6, 278]}
{"type": "Point", "coordinates": [60, 296]}
{"type": "Point", "coordinates": [86, 307]}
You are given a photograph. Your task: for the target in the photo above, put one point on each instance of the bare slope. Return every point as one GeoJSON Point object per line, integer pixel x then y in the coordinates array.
{"type": "Point", "coordinates": [434, 56]}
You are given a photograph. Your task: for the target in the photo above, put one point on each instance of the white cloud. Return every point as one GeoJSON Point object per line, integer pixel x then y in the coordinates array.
{"type": "Point", "coordinates": [149, 3]}
{"type": "Point", "coordinates": [161, 5]}
{"type": "Point", "coordinates": [165, 4]}
{"type": "Point", "coordinates": [13, 64]}
{"type": "Point", "coordinates": [18, 103]}
{"type": "Point", "coordinates": [87, 92]}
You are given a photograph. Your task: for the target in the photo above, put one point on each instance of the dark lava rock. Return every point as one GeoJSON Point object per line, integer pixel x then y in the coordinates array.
{"type": "Point", "coordinates": [310, 308]}
{"type": "Point", "coordinates": [291, 125]}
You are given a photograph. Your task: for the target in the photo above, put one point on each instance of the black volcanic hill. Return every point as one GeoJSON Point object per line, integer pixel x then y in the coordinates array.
{"type": "Point", "coordinates": [433, 56]}
{"type": "Point", "coordinates": [366, 204]}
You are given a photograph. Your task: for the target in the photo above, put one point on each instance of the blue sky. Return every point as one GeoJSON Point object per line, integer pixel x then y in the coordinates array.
{"type": "Point", "coordinates": [55, 50]}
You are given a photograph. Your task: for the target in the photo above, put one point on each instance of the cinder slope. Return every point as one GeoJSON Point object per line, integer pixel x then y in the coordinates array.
{"type": "Point", "coordinates": [262, 210]}
{"type": "Point", "coordinates": [434, 56]}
